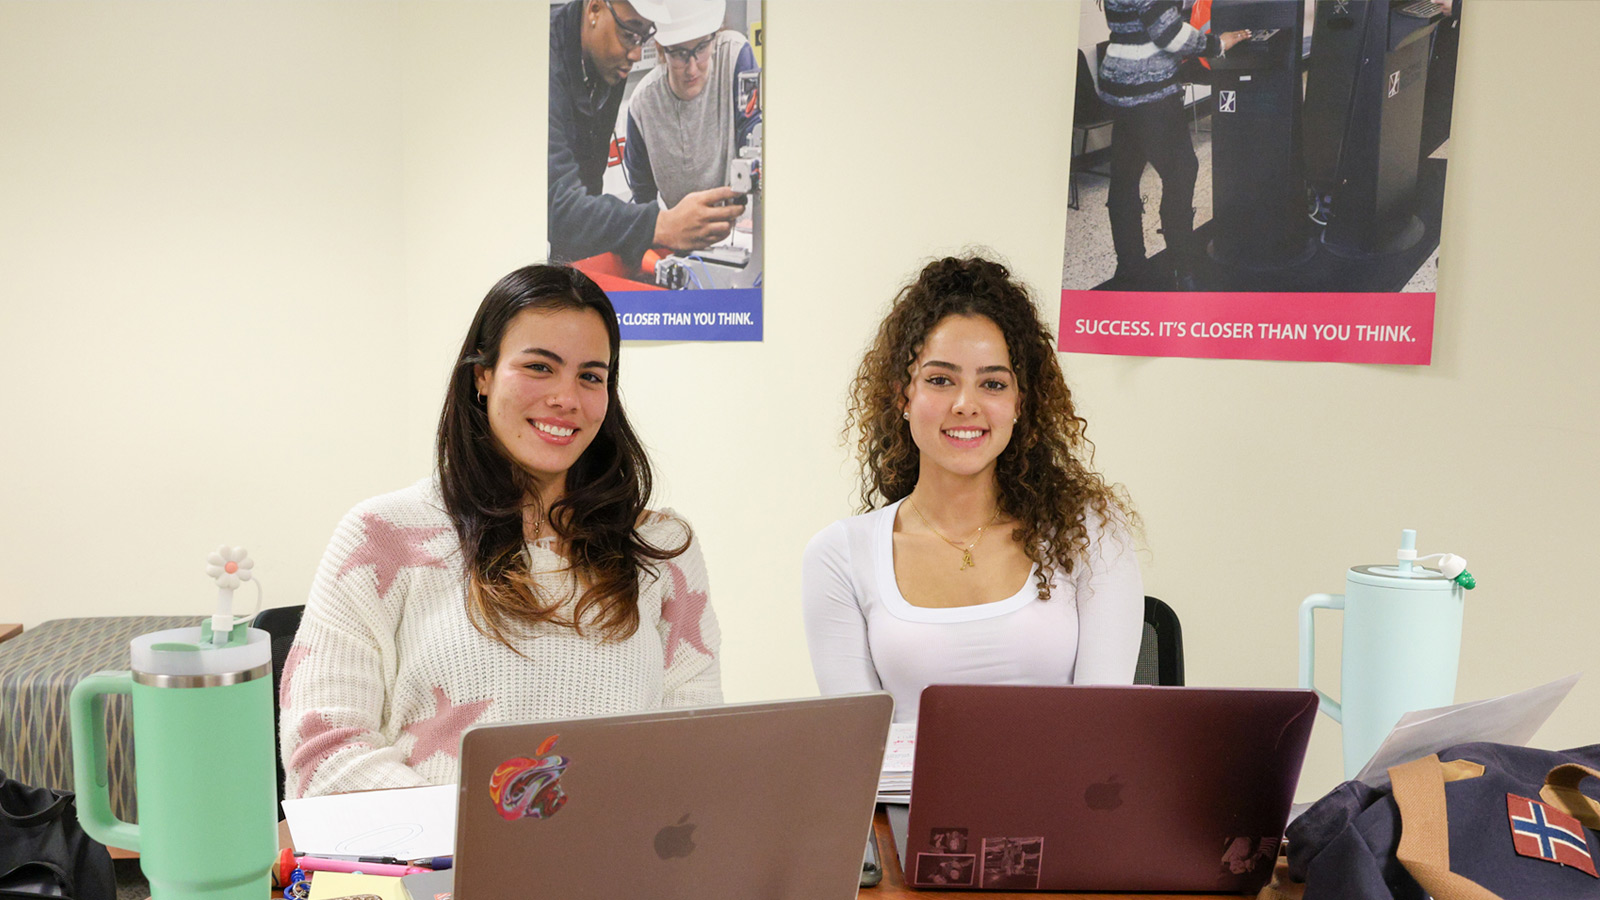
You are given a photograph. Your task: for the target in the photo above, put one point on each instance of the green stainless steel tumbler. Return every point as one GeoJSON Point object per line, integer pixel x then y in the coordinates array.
{"type": "Point", "coordinates": [204, 762]}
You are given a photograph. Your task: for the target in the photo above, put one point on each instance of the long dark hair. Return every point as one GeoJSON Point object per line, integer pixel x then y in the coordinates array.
{"type": "Point", "coordinates": [485, 492]}
{"type": "Point", "coordinates": [1043, 477]}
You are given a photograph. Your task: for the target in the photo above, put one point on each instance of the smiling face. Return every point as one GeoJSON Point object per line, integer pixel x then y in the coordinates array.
{"type": "Point", "coordinates": [546, 395]}
{"type": "Point", "coordinates": [963, 397]}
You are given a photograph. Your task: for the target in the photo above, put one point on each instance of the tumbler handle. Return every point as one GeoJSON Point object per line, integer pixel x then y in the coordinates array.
{"type": "Point", "coordinates": [91, 775]}
{"type": "Point", "coordinates": [1308, 649]}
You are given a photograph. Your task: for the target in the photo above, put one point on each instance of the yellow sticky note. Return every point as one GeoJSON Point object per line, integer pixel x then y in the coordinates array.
{"type": "Point", "coordinates": [331, 885]}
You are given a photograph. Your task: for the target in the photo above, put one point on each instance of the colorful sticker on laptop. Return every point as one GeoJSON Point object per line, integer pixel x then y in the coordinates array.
{"type": "Point", "coordinates": [1544, 832]}
{"type": "Point", "coordinates": [948, 840]}
{"type": "Point", "coordinates": [1243, 855]}
{"type": "Point", "coordinates": [1012, 863]}
{"type": "Point", "coordinates": [524, 788]}
{"type": "Point", "coordinates": [945, 869]}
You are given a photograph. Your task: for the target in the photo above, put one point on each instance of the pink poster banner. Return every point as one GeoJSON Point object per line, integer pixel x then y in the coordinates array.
{"type": "Point", "coordinates": [1392, 328]}
{"type": "Point", "coordinates": [1259, 179]}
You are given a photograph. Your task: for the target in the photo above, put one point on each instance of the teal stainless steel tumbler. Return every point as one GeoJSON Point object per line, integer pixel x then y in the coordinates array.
{"type": "Point", "coordinates": [204, 762]}
{"type": "Point", "coordinates": [1401, 645]}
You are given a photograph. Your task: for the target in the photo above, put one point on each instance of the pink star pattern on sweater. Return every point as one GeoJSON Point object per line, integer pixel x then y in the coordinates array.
{"type": "Point", "coordinates": [390, 548]}
{"type": "Point", "coordinates": [290, 663]}
{"type": "Point", "coordinates": [442, 733]}
{"type": "Point", "coordinates": [682, 612]}
{"type": "Point", "coordinates": [319, 739]}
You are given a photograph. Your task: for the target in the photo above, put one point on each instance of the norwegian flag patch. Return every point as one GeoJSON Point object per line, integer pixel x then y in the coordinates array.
{"type": "Point", "coordinates": [1546, 833]}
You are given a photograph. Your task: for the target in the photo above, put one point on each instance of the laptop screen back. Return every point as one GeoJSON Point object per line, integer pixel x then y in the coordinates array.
{"type": "Point", "coordinates": [771, 799]}
{"type": "Point", "coordinates": [1102, 788]}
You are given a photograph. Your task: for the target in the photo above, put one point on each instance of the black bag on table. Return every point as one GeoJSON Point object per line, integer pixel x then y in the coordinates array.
{"type": "Point", "coordinates": [44, 853]}
{"type": "Point", "coordinates": [1475, 822]}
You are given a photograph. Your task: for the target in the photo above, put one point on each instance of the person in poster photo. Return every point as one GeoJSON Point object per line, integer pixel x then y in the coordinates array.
{"type": "Point", "coordinates": [684, 121]}
{"type": "Point", "coordinates": [997, 555]}
{"type": "Point", "coordinates": [1139, 83]}
{"type": "Point", "coordinates": [594, 44]}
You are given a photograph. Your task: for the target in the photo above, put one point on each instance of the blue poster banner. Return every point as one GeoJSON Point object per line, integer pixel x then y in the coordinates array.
{"type": "Point", "coordinates": [718, 315]}
{"type": "Point", "coordinates": [654, 170]}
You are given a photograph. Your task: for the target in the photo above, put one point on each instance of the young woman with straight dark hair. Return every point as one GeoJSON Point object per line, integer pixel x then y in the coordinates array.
{"type": "Point", "coordinates": [526, 579]}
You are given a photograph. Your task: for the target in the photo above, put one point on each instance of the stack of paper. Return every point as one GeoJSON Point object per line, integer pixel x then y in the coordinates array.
{"type": "Point", "coordinates": [894, 782]}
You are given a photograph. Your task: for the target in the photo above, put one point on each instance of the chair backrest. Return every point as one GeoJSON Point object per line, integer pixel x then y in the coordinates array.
{"type": "Point", "coordinates": [1161, 650]}
{"type": "Point", "coordinates": [281, 622]}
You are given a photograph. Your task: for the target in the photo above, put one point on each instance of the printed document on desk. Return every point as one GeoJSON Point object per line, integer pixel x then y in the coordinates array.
{"type": "Point", "coordinates": [406, 823]}
{"type": "Point", "coordinates": [894, 783]}
{"type": "Point", "coordinates": [1512, 719]}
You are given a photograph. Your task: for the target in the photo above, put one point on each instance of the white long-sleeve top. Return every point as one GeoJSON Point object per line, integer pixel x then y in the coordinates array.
{"type": "Point", "coordinates": [386, 670]}
{"type": "Point", "coordinates": [865, 636]}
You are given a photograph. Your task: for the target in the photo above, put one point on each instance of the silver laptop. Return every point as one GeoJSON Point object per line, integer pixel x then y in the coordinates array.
{"type": "Point", "coordinates": [762, 799]}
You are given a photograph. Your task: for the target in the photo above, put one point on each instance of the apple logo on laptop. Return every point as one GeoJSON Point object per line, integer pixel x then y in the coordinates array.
{"type": "Point", "coordinates": [676, 840]}
{"type": "Point", "coordinates": [1104, 794]}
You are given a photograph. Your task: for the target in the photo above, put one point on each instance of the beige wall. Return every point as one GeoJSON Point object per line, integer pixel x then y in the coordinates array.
{"type": "Point", "coordinates": [239, 242]}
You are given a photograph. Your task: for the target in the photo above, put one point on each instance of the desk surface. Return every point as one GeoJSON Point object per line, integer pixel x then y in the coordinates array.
{"type": "Point", "coordinates": [894, 882]}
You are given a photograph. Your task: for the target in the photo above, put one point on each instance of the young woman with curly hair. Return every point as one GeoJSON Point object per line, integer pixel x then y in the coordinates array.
{"type": "Point", "coordinates": [988, 550]}
{"type": "Point", "coordinates": [525, 580]}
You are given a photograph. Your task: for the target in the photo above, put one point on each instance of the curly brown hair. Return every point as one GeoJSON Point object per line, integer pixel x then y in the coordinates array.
{"type": "Point", "coordinates": [1043, 477]}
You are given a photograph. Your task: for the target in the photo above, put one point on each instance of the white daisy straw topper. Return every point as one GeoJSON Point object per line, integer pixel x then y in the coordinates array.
{"type": "Point", "coordinates": [231, 567]}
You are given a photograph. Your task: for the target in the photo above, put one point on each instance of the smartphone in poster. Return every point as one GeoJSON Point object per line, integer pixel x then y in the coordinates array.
{"type": "Point", "coordinates": [1258, 179]}
{"type": "Point", "coordinates": [654, 161]}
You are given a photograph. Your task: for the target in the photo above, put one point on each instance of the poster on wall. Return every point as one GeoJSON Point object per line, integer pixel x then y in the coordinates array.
{"type": "Point", "coordinates": [1258, 179]}
{"type": "Point", "coordinates": [654, 164]}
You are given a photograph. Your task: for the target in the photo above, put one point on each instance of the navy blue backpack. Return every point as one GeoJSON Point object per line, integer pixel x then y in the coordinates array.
{"type": "Point", "coordinates": [1475, 822]}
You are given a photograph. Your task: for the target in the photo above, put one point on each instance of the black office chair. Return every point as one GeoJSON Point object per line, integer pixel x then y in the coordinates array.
{"type": "Point", "coordinates": [280, 622]}
{"type": "Point", "coordinates": [1091, 129]}
{"type": "Point", "coordinates": [1161, 650]}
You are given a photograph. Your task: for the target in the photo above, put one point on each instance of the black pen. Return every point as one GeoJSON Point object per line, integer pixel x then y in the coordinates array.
{"type": "Point", "coordinates": [385, 860]}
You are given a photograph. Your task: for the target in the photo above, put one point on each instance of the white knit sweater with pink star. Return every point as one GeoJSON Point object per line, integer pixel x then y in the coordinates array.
{"type": "Point", "coordinates": [387, 670]}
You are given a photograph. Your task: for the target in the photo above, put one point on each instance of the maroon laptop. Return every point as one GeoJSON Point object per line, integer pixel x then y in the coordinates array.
{"type": "Point", "coordinates": [1100, 788]}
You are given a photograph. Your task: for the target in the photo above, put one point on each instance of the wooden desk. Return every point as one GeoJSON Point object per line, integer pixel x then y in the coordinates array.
{"type": "Point", "coordinates": [894, 887]}
{"type": "Point", "coordinates": [9, 631]}
{"type": "Point", "coordinates": [894, 882]}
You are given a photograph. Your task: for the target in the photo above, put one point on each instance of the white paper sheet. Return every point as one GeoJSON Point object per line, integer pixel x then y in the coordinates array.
{"type": "Point", "coordinates": [1512, 719]}
{"type": "Point", "coordinates": [894, 782]}
{"type": "Point", "coordinates": [406, 823]}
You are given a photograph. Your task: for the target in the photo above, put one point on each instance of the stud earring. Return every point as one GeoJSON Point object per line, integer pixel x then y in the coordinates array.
{"type": "Point", "coordinates": [906, 414]}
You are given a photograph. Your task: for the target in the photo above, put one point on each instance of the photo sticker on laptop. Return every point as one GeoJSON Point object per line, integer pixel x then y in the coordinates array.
{"type": "Point", "coordinates": [946, 869]}
{"type": "Point", "coordinates": [1243, 855]}
{"type": "Point", "coordinates": [1012, 862]}
{"type": "Point", "coordinates": [524, 788]}
{"type": "Point", "coordinates": [948, 840]}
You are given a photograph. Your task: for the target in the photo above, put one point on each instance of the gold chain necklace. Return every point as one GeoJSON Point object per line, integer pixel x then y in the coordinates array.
{"type": "Point", "coordinates": [966, 552]}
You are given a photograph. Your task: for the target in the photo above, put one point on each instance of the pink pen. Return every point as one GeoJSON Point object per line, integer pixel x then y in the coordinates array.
{"type": "Point", "coordinates": [318, 864]}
